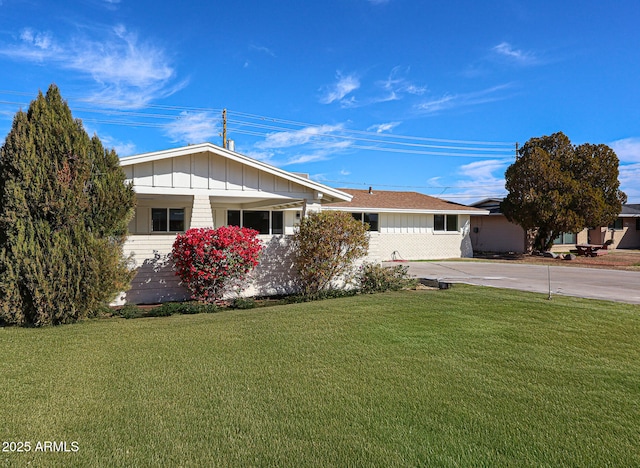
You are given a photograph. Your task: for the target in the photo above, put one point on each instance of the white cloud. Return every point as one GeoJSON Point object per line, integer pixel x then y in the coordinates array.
{"type": "Point", "coordinates": [40, 40]}
{"type": "Point", "coordinates": [310, 144]}
{"type": "Point", "coordinates": [126, 72]}
{"type": "Point", "coordinates": [629, 177]}
{"type": "Point", "coordinates": [193, 128]}
{"type": "Point", "coordinates": [451, 101]}
{"type": "Point", "coordinates": [627, 149]}
{"type": "Point", "coordinates": [483, 171]}
{"type": "Point", "coordinates": [344, 85]}
{"type": "Point", "coordinates": [262, 49]}
{"type": "Point", "coordinates": [298, 137]}
{"type": "Point", "coordinates": [435, 105]}
{"type": "Point", "coordinates": [320, 151]}
{"type": "Point", "coordinates": [383, 127]}
{"type": "Point", "coordinates": [397, 84]}
{"type": "Point", "coordinates": [506, 51]}
{"type": "Point", "coordinates": [479, 180]}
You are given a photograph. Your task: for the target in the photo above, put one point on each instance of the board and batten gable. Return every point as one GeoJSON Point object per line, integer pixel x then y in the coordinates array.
{"type": "Point", "coordinates": [214, 173]}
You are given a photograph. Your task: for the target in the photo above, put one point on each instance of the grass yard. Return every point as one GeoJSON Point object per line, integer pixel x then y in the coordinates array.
{"type": "Point", "coordinates": [464, 377]}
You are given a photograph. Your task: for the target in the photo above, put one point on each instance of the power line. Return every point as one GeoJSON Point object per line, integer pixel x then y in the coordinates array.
{"type": "Point", "coordinates": [374, 184]}
{"type": "Point", "coordinates": [261, 126]}
{"type": "Point", "coordinates": [439, 140]}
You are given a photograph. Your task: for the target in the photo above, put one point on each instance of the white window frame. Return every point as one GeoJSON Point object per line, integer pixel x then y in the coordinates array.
{"type": "Point", "coordinates": [362, 216]}
{"type": "Point", "coordinates": [270, 233]}
{"type": "Point", "coordinates": [446, 229]}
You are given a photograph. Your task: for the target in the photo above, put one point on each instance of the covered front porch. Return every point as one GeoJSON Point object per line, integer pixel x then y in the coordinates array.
{"type": "Point", "coordinates": [203, 186]}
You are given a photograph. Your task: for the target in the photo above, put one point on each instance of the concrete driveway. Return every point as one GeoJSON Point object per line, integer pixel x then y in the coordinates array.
{"type": "Point", "coordinates": [610, 285]}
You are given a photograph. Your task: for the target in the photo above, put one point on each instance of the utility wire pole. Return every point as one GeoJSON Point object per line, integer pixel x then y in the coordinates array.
{"type": "Point", "coordinates": [224, 128]}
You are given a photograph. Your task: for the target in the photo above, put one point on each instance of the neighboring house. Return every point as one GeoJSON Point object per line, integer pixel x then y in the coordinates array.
{"type": "Point", "coordinates": [410, 225]}
{"type": "Point", "coordinates": [208, 186]}
{"type": "Point", "coordinates": [623, 233]}
{"type": "Point", "coordinates": [494, 233]}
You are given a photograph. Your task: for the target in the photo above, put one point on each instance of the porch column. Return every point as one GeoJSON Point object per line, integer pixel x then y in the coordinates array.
{"type": "Point", "coordinates": [201, 215]}
{"type": "Point", "coordinates": [314, 204]}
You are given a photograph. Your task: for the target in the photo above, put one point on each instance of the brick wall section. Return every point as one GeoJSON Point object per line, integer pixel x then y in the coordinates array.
{"type": "Point", "coordinates": [430, 246]}
{"type": "Point", "coordinates": [155, 280]}
{"type": "Point", "coordinates": [201, 212]}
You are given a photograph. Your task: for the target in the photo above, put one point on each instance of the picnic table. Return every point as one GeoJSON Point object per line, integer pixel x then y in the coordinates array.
{"type": "Point", "coordinates": [591, 250]}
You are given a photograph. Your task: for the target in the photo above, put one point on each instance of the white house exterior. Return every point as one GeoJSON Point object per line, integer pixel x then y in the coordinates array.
{"type": "Point", "coordinates": [208, 186]}
{"type": "Point", "coordinates": [411, 225]}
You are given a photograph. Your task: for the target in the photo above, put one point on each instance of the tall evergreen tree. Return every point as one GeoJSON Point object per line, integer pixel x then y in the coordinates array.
{"type": "Point", "coordinates": [64, 210]}
{"type": "Point", "coordinates": [557, 187]}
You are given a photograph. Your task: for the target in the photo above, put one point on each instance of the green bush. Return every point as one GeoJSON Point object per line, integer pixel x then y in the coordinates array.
{"type": "Point", "coordinates": [129, 311]}
{"type": "Point", "coordinates": [326, 246]}
{"type": "Point", "coordinates": [183, 308]}
{"type": "Point", "coordinates": [64, 211]}
{"type": "Point", "coordinates": [243, 303]}
{"type": "Point", "coordinates": [374, 278]}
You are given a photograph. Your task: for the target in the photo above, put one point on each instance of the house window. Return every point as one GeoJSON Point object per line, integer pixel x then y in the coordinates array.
{"type": "Point", "coordinates": [167, 219]}
{"type": "Point", "coordinates": [566, 238]}
{"type": "Point", "coordinates": [617, 224]}
{"type": "Point", "coordinates": [370, 218]}
{"type": "Point", "coordinates": [637, 224]}
{"type": "Point", "coordinates": [261, 221]}
{"type": "Point", "coordinates": [277, 222]}
{"type": "Point", "coordinates": [258, 220]}
{"type": "Point", "coordinates": [233, 218]}
{"type": "Point", "coordinates": [445, 223]}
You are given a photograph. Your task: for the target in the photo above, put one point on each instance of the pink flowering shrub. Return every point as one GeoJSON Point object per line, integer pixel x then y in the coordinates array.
{"type": "Point", "coordinates": [211, 262]}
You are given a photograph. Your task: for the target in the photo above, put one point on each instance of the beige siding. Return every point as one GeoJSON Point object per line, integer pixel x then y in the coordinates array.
{"type": "Point", "coordinates": [629, 237]}
{"type": "Point", "coordinates": [494, 233]}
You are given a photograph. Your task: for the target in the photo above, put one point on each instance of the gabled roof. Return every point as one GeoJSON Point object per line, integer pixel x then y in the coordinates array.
{"type": "Point", "coordinates": [391, 201]}
{"type": "Point", "coordinates": [240, 158]}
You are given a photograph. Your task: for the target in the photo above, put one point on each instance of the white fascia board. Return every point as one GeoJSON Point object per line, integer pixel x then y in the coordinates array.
{"type": "Point", "coordinates": [221, 193]}
{"type": "Point", "coordinates": [356, 209]}
{"type": "Point", "coordinates": [211, 148]}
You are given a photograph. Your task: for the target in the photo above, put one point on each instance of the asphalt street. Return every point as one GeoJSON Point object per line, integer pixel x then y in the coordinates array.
{"type": "Point", "coordinates": [592, 283]}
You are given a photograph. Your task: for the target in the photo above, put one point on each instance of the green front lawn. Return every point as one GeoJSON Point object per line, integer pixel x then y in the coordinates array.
{"type": "Point", "coordinates": [467, 376]}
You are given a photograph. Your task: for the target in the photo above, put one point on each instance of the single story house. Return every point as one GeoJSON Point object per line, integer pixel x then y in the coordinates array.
{"type": "Point", "coordinates": [494, 233]}
{"type": "Point", "coordinates": [411, 225]}
{"type": "Point", "coordinates": [205, 185]}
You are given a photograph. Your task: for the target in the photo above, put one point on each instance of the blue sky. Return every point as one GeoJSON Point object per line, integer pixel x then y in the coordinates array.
{"type": "Point", "coordinates": [394, 94]}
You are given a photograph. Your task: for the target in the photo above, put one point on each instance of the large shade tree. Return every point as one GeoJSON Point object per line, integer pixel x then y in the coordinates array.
{"type": "Point", "coordinates": [557, 187]}
{"type": "Point", "coordinates": [64, 211]}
